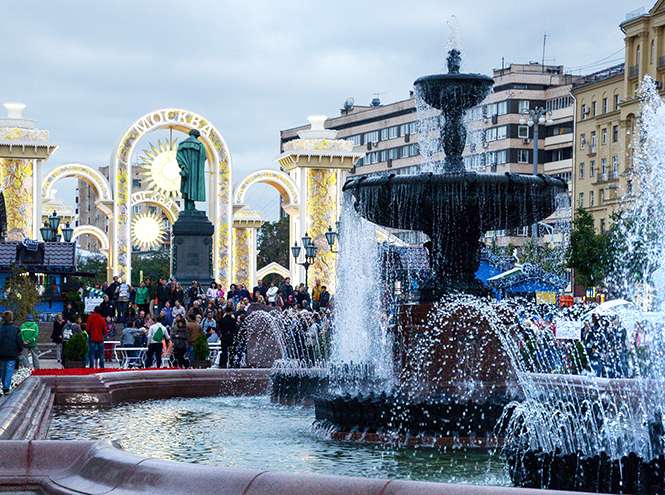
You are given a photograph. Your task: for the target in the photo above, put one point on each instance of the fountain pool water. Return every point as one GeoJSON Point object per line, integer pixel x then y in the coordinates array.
{"type": "Point", "coordinates": [251, 432]}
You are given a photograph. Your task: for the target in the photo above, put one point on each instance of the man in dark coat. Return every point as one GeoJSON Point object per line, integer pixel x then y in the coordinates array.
{"type": "Point", "coordinates": [287, 289]}
{"type": "Point", "coordinates": [162, 294]}
{"type": "Point", "coordinates": [11, 345]}
{"type": "Point", "coordinates": [228, 329]}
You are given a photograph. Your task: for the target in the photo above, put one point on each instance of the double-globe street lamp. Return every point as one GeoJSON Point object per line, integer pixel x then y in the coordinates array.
{"type": "Point", "coordinates": [311, 250]}
{"type": "Point", "coordinates": [50, 230]}
{"type": "Point", "coordinates": [535, 118]}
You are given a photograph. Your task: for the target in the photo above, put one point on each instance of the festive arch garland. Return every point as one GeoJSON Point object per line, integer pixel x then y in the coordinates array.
{"type": "Point", "coordinates": [219, 160]}
{"type": "Point", "coordinates": [279, 180]}
{"type": "Point", "coordinates": [80, 171]}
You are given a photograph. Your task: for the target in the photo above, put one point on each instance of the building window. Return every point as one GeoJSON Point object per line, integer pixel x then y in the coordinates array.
{"type": "Point", "coordinates": [501, 157]}
{"type": "Point", "coordinates": [592, 168]}
{"type": "Point", "coordinates": [629, 187]}
{"type": "Point", "coordinates": [602, 196]}
{"type": "Point", "coordinates": [581, 200]}
{"type": "Point", "coordinates": [591, 194]}
{"type": "Point", "coordinates": [603, 169]}
{"type": "Point", "coordinates": [357, 139]}
{"type": "Point", "coordinates": [603, 138]}
{"type": "Point", "coordinates": [522, 156]}
{"type": "Point", "coordinates": [652, 55]}
{"type": "Point", "coordinates": [581, 170]}
{"type": "Point", "coordinates": [615, 167]}
{"type": "Point", "coordinates": [593, 108]}
{"type": "Point", "coordinates": [393, 153]}
{"type": "Point", "coordinates": [604, 105]}
{"type": "Point", "coordinates": [616, 102]}
{"type": "Point", "coordinates": [523, 106]}
{"type": "Point", "coordinates": [602, 225]}
{"type": "Point", "coordinates": [502, 132]}
{"type": "Point", "coordinates": [384, 156]}
{"type": "Point", "coordinates": [593, 141]}
{"type": "Point", "coordinates": [372, 137]}
{"type": "Point", "coordinates": [582, 141]}
{"type": "Point", "coordinates": [502, 108]}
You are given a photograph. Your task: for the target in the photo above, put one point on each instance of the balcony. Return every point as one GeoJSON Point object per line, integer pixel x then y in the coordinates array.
{"type": "Point", "coordinates": [634, 71]}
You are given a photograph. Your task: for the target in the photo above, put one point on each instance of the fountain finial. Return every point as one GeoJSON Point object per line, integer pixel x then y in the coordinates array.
{"type": "Point", "coordinates": [454, 61]}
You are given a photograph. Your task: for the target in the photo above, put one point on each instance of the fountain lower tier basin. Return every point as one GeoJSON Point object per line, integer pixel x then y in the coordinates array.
{"type": "Point", "coordinates": [456, 204]}
{"type": "Point", "coordinates": [598, 474]}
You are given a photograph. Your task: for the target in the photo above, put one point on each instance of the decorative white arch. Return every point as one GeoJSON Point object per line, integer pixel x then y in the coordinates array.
{"type": "Point", "coordinates": [80, 171]}
{"type": "Point", "coordinates": [273, 267]}
{"type": "Point", "coordinates": [279, 180]}
{"type": "Point", "coordinates": [219, 191]}
{"type": "Point", "coordinates": [95, 232]}
{"type": "Point", "coordinates": [170, 207]}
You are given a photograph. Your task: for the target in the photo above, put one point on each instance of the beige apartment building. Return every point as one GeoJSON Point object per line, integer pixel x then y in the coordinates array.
{"type": "Point", "coordinates": [497, 142]}
{"type": "Point", "coordinates": [389, 134]}
{"type": "Point", "coordinates": [607, 109]}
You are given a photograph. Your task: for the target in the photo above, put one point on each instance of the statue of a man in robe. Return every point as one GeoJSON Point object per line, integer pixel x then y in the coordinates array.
{"type": "Point", "coordinates": [191, 158]}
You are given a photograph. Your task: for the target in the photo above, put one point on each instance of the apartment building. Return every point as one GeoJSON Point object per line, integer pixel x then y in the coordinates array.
{"type": "Point", "coordinates": [389, 134]}
{"type": "Point", "coordinates": [607, 110]}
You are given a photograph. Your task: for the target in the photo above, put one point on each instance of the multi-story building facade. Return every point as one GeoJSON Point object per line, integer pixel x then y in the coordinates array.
{"type": "Point", "coordinates": [390, 138]}
{"type": "Point", "coordinates": [497, 142]}
{"type": "Point", "coordinates": [600, 178]}
{"type": "Point", "coordinates": [607, 110]}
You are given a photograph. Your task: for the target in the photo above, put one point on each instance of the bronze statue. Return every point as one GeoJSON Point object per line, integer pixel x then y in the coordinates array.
{"type": "Point", "coordinates": [191, 158]}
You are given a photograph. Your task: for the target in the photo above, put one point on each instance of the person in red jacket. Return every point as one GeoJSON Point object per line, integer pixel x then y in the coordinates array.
{"type": "Point", "coordinates": [96, 328]}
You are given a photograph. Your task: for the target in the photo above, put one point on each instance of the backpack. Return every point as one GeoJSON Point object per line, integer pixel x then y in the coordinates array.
{"type": "Point", "coordinates": [159, 335]}
{"type": "Point", "coordinates": [67, 332]}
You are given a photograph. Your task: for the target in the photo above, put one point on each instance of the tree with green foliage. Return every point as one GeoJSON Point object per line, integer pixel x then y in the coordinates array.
{"type": "Point", "coordinates": [154, 265]}
{"type": "Point", "coordinates": [550, 259]}
{"type": "Point", "coordinates": [588, 252]}
{"type": "Point", "coordinates": [20, 294]}
{"type": "Point", "coordinates": [273, 243]}
{"type": "Point", "coordinates": [92, 264]}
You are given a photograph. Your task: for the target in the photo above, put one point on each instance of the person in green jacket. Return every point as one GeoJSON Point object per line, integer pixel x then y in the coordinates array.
{"type": "Point", "coordinates": [143, 298]}
{"type": "Point", "coordinates": [29, 334]}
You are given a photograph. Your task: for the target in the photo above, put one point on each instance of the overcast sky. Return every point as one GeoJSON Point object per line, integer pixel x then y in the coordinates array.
{"type": "Point", "coordinates": [87, 70]}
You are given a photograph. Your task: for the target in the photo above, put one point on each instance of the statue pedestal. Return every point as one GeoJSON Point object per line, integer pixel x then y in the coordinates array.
{"type": "Point", "coordinates": [192, 248]}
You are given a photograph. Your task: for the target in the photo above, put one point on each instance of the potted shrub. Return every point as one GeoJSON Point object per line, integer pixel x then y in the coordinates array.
{"type": "Point", "coordinates": [201, 352]}
{"type": "Point", "coordinates": [76, 351]}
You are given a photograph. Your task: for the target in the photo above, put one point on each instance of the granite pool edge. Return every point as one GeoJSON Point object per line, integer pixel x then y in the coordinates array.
{"type": "Point", "coordinates": [88, 467]}
{"type": "Point", "coordinates": [96, 467]}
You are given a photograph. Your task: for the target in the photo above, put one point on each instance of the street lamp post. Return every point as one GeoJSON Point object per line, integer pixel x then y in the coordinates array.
{"type": "Point", "coordinates": [310, 254]}
{"type": "Point", "coordinates": [49, 231]}
{"type": "Point", "coordinates": [535, 118]}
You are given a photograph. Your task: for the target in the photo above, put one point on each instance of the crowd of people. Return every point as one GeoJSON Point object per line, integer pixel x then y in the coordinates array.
{"type": "Point", "coordinates": [166, 319]}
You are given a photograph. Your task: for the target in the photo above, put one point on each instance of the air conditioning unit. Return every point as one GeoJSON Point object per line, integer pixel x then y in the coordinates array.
{"type": "Point", "coordinates": [526, 140]}
{"type": "Point", "coordinates": [369, 145]}
{"type": "Point", "coordinates": [407, 138]}
{"type": "Point", "coordinates": [495, 119]}
{"type": "Point", "coordinates": [390, 163]}
{"type": "Point", "coordinates": [523, 131]}
{"type": "Point", "coordinates": [585, 110]}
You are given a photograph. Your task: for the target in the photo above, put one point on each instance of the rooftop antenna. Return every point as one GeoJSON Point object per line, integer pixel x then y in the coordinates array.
{"type": "Point", "coordinates": [376, 102]}
{"type": "Point", "coordinates": [544, 43]}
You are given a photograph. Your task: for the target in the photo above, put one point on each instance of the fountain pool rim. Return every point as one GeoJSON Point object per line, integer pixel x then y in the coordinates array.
{"type": "Point", "coordinates": [74, 466]}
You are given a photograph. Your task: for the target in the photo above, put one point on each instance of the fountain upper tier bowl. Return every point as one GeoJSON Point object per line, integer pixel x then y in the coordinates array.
{"type": "Point", "coordinates": [453, 91]}
{"type": "Point", "coordinates": [438, 203]}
